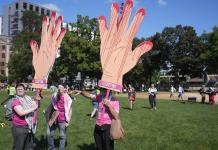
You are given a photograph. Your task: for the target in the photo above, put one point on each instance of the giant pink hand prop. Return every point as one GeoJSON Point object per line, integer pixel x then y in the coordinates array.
{"type": "Point", "coordinates": [117, 57]}
{"type": "Point", "coordinates": [44, 55]}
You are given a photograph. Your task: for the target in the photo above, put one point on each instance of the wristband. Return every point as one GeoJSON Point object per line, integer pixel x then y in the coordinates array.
{"type": "Point", "coordinates": [110, 85]}
{"type": "Point", "coordinates": [36, 81]}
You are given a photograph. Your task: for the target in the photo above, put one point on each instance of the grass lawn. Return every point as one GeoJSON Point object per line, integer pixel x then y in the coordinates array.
{"type": "Point", "coordinates": [173, 126]}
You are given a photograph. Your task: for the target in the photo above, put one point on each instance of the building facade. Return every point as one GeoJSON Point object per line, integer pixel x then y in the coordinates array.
{"type": "Point", "coordinates": [12, 14]}
{"type": "Point", "coordinates": [5, 44]}
{"type": "Point", "coordinates": [0, 25]}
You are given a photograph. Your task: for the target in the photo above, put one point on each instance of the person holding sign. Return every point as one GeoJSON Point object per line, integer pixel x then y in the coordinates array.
{"type": "Point", "coordinates": [61, 103]}
{"type": "Point", "coordinates": [44, 54]}
{"type": "Point", "coordinates": [117, 57]}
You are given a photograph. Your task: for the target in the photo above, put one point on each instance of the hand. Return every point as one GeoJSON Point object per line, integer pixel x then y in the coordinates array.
{"type": "Point", "coordinates": [77, 91]}
{"type": "Point", "coordinates": [106, 102]}
{"type": "Point", "coordinates": [117, 57]}
{"type": "Point", "coordinates": [35, 106]}
{"type": "Point", "coordinates": [37, 98]}
{"type": "Point", "coordinates": [44, 55]}
{"type": "Point", "coordinates": [67, 124]}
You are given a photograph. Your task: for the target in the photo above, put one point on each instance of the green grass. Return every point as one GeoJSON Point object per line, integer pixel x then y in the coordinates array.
{"type": "Point", "coordinates": [174, 126]}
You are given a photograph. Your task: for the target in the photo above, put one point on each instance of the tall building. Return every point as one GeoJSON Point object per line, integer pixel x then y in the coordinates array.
{"type": "Point", "coordinates": [13, 13]}
{"type": "Point", "coordinates": [5, 44]}
{"type": "Point", "coordinates": [11, 24]}
{"type": "Point", "coordinates": [0, 25]}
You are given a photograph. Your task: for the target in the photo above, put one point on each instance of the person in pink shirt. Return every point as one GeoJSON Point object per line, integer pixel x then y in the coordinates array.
{"type": "Point", "coordinates": [62, 103]}
{"type": "Point", "coordinates": [107, 110]}
{"type": "Point", "coordinates": [24, 119]}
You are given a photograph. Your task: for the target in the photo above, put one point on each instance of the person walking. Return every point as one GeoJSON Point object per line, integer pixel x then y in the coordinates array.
{"type": "Point", "coordinates": [152, 96]}
{"type": "Point", "coordinates": [172, 91]}
{"type": "Point", "coordinates": [131, 96]}
{"type": "Point", "coordinates": [181, 92]}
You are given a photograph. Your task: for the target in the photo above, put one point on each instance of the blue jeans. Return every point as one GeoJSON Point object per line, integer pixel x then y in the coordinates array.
{"type": "Point", "coordinates": [62, 135]}
{"type": "Point", "coordinates": [152, 101]}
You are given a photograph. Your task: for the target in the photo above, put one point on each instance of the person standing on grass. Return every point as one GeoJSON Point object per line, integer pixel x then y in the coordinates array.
{"type": "Point", "coordinates": [202, 91]}
{"type": "Point", "coordinates": [172, 91]}
{"type": "Point", "coordinates": [212, 94]}
{"type": "Point", "coordinates": [11, 93]}
{"type": "Point", "coordinates": [131, 96]}
{"type": "Point", "coordinates": [152, 96]}
{"type": "Point", "coordinates": [107, 110]}
{"type": "Point", "coordinates": [62, 104]}
{"type": "Point", "coordinates": [181, 92]}
{"type": "Point", "coordinates": [24, 119]}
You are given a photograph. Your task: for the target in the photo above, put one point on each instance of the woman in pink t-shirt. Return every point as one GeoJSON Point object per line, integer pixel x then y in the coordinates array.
{"type": "Point", "coordinates": [107, 109]}
{"type": "Point", "coordinates": [61, 102]}
{"type": "Point", "coordinates": [23, 120]}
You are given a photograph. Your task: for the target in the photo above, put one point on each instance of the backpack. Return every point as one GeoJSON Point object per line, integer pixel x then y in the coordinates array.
{"type": "Point", "coordinates": [9, 113]}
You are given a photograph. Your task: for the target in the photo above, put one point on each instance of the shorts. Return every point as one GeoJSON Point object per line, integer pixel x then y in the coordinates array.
{"type": "Point", "coordinates": [131, 98]}
{"type": "Point", "coordinates": [95, 104]}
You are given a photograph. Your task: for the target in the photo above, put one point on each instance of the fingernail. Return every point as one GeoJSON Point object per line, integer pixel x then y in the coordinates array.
{"type": "Point", "coordinates": [116, 6]}
{"type": "Point", "coordinates": [32, 42]}
{"type": "Point", "coordinates": [44, 19]}
{"type": "Point", "coordinates": [130, 3]}
{"type": "Point", "coordinates": [60, 18]}
{"type": "Point", "coordinates": [53, 14]}
{"type": "Point", "coordinates": [142, 11]}
{"type": "Point", "coordinates": [63, 30]}
{"type": "Point", "coordinates": [102, 18]}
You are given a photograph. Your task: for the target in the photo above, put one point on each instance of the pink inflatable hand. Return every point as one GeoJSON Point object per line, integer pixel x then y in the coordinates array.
{"type": "Point", "coordinates": [117, 57]}
{"type": "Point", "coordinates": [44, 55]}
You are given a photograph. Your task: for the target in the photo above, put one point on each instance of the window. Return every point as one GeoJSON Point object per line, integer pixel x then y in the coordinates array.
{"type": "Point", "coordinates": [48, 13]}
{"type": "Point", "coordinates": [24, 5]}
{"type": "Point", "coordinates": [3, 55]}
{"type": "Point", "coordinates": [2, 72]}
{"type": "Point", "coordinates": [2, 63]}
{"type": "Point", "coordinates": [37, 9]}
{"type": "Point", "coordinates": [31, 7]}
{"type": "Point", "coordinates": [42, 11]}
{"type": "Point", "coordinates": [17, 6]}
{"type": "Point", "coordinates": [3, 47]}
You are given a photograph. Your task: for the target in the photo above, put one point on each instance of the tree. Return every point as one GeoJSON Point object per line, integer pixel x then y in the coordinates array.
{"type": "Point", "coordinates": [20, 63]}
{"type": "Point", "coordinates": [181, 51]}
{"type": "Point", "coordinates": [79, 51]}
{"type": "Point", "coordinates": [210, 54]}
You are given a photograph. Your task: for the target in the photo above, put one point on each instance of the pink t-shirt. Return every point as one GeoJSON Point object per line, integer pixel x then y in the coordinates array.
{"type": "Point", "coordinates": [103, 117]}
{"type": "Point", "coordinates": [20, 120]}
{"type": "Point", "coordinates": [60, 106]}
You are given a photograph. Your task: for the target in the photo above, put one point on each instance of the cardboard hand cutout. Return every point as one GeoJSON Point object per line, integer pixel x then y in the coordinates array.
{"type": "Point", "coordinates": [44, 55]}
{"type": "Point", "coordinates": [117, 57]}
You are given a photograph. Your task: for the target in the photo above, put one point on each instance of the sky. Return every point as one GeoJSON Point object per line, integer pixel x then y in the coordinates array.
{"type": "Point", "coordinates": [201, 14]}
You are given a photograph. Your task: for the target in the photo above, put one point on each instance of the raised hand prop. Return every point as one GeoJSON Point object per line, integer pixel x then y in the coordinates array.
{"type": "Point", "coordinates": [44, 55]}
{"type": "Point", "coordinates": [117, 57]}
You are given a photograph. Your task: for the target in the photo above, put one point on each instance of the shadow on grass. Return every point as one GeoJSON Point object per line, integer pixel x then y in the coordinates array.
{"type": "Point", "coordinates": [41, 144]}
{"type": "Point", "coordinates": [146, 107]}
{"type": "Point", "coordinates": [87, 146]}
{"type": "Point", "coordinates": [127, 108]}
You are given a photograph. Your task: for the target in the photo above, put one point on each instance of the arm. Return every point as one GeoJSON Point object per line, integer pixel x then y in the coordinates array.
{"type": "Point", "coordinates": [86, 94]}
{"type": "Point", "coordinates": [70, 115]}
{"type": "Point", "coordinates": [22, 112]}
